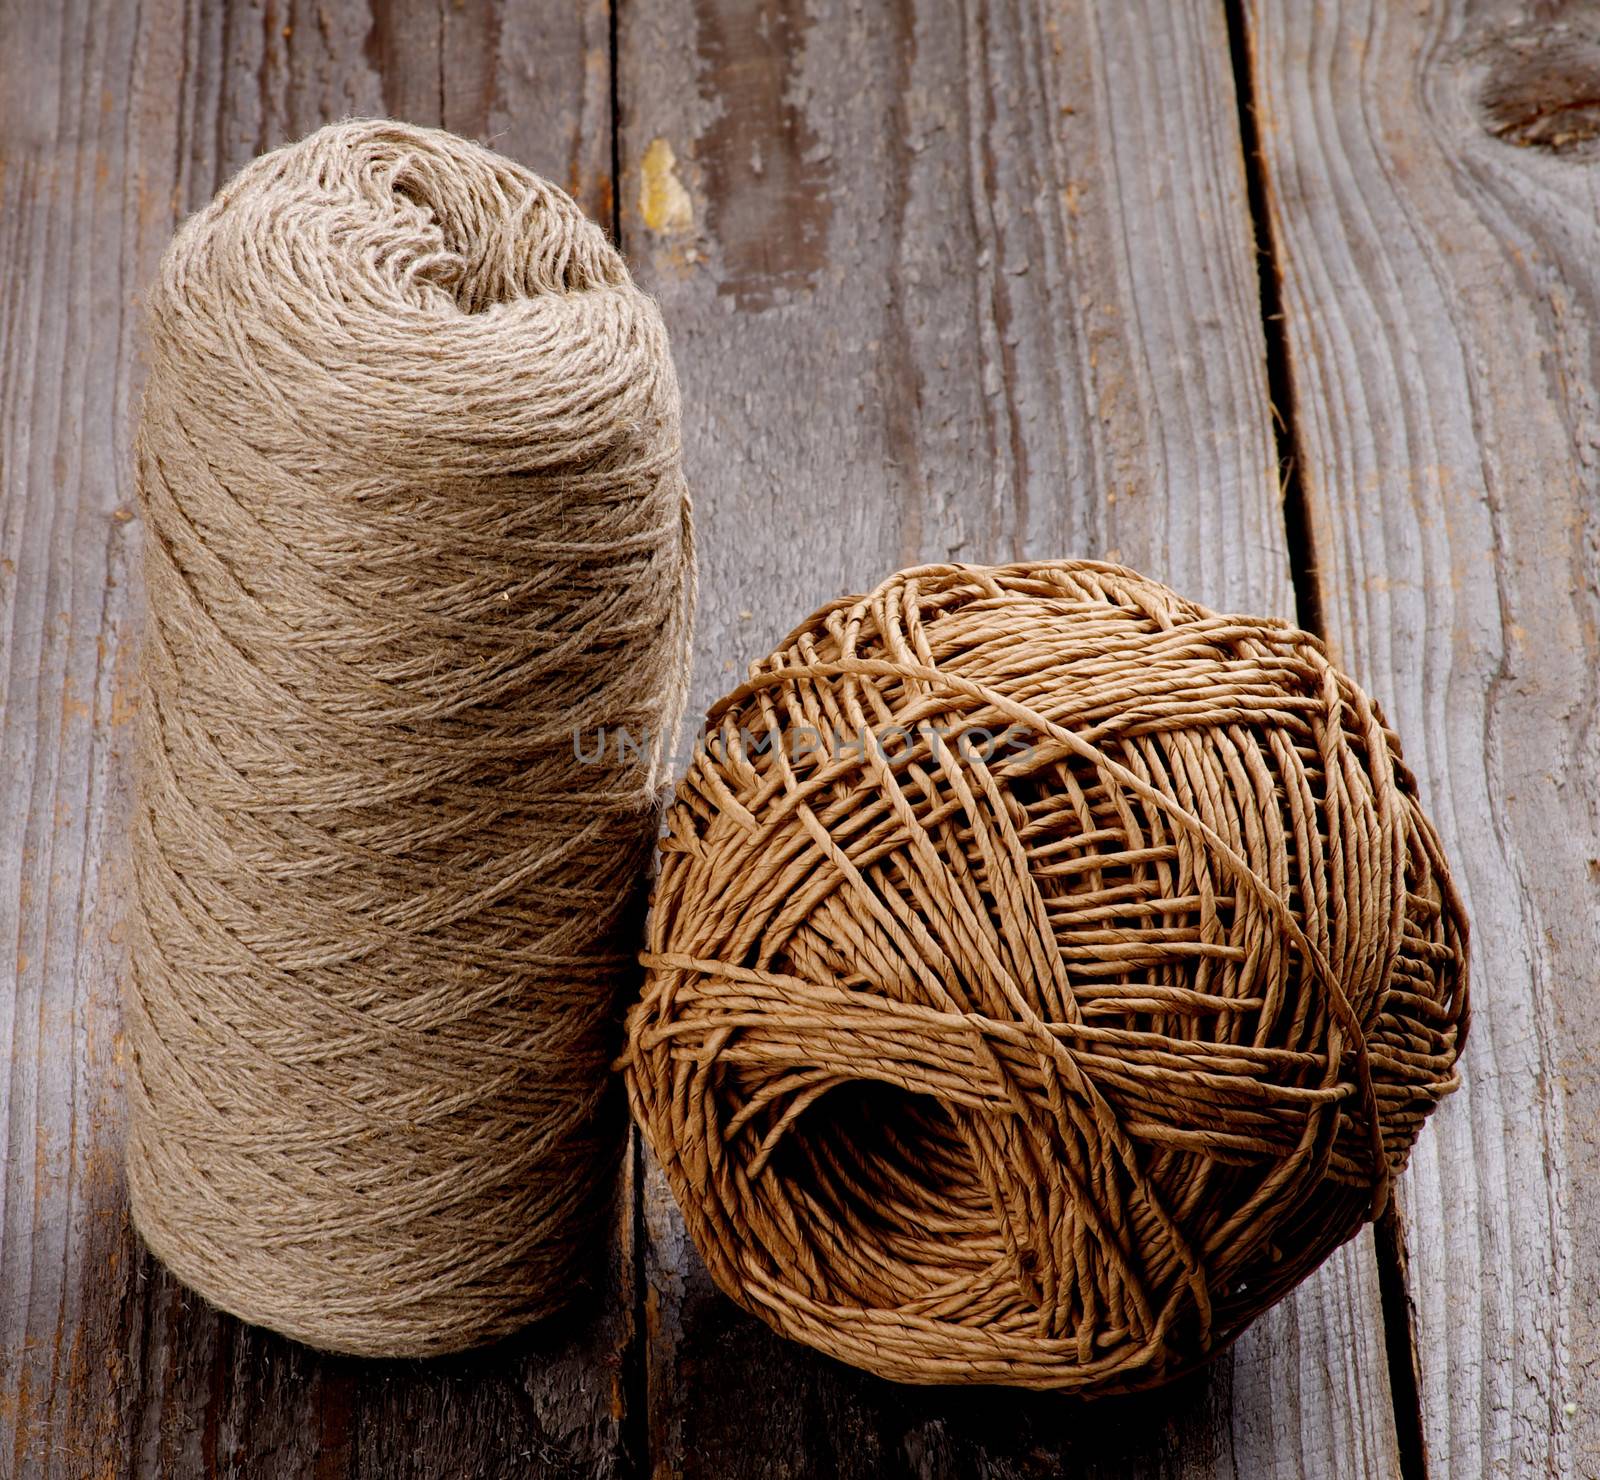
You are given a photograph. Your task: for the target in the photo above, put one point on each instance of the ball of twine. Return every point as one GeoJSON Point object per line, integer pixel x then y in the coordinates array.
{"type": "Point", "coordinates": [409, 470]}
{"type": "Point", "coordinates": [1045, 973]}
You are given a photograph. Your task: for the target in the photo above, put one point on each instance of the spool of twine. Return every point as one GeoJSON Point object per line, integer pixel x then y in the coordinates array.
{"type": "Point", "coordinates": [1045, 974]}
{"type": "Point", "coordinates": [409, 470]}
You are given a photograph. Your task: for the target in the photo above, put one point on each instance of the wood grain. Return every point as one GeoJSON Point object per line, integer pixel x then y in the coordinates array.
{"type": "Point", "coordinates": [1435, 195]}
{"type": "Point", "coordinates": [970, 282]}
{"type": "Point", "coordinates": [118, 119]}
{"type": "Point", "coordinates": [960, 282]}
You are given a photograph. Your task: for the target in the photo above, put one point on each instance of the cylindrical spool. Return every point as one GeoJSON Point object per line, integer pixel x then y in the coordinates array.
{"type": "Point", "coordinates": [409, 469]}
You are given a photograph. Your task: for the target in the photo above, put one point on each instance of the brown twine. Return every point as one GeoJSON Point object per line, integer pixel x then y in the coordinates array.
{"type": "Point", "coordinates": [1045, 974]}
{"type": "Point", "coordinates": [409, 467]}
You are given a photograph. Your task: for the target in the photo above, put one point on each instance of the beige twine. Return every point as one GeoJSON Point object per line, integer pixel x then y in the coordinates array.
{"type": "Point", "coordinates": [1045, 974]}
{"type": "Point", "coordinates": [409, 467]}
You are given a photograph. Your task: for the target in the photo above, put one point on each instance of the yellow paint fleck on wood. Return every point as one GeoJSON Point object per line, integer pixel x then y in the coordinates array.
{"type": "Point", "coordinates": [663, 202]}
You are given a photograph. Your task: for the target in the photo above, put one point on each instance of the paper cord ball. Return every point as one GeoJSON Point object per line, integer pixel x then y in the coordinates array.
{"type": "Point", "coordinates": [1045, 973]}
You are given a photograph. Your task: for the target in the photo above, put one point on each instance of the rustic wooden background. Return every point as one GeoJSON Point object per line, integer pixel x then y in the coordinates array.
{"type": "Point", "coordinates": [1293, 305]}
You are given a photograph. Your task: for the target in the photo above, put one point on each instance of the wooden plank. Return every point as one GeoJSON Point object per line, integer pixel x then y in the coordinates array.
{"type": "Point", "coordinates": [117, 119]}
{"type": "Point", "coordinates": [965, 282]}
{"type": "Point", "coordinates": [1434, 193]}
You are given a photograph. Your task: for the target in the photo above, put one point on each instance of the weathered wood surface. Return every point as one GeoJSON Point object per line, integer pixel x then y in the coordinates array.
{"type": "Point", "coordinates": [1434, 176]}
{"type": "Point", "coordinates": [972, 283]}
{"type": "Point", "coordinates": [969, 282]}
